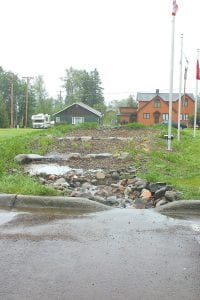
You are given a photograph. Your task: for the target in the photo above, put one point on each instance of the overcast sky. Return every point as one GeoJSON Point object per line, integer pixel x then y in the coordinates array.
{"type": "Point", "coordinates": [128, 41]}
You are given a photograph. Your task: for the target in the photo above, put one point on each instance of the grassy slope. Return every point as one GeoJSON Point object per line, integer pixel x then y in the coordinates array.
{"type": "Point", "coordinates": [179, 167]}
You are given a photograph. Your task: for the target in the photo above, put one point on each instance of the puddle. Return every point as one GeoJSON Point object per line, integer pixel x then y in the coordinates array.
{"type": "Point", "coordinates": [48, 169]}
{"type": "Point", "coordinates": [6, 216]}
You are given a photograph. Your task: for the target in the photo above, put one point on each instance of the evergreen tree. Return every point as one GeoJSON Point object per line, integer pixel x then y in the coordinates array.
{"type": "Point", "coordinates": [85, 87]}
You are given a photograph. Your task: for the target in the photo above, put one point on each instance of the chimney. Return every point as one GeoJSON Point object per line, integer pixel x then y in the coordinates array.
{"type": "Point", "coordinates": [157, 91]}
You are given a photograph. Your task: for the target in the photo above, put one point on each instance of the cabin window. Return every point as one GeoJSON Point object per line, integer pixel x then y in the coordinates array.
{"type": "Point", "coordinates": [77, 120]}
{"type": "Point", "coordinates": [146, 116]}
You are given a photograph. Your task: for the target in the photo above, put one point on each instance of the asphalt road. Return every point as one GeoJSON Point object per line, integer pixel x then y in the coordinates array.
{"type": "Point", "coordinates": [117, 254]}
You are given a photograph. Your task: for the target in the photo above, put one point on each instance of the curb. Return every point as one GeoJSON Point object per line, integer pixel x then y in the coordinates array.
{"type": "Point", "coordinates": [56, 202]}
{"type": "Point", "coordinates": [180, 207]}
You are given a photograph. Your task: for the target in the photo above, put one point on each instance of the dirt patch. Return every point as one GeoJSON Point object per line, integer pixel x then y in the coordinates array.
{"type": "Point", "coordinates": [114, 141]}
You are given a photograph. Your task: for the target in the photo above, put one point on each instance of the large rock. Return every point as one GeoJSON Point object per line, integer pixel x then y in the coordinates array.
{"type": "Point", "coordinates": [27, 158]}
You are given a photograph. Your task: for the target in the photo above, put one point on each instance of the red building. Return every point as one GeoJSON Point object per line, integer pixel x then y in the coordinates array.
{"type": "Point", "coordinates": [153, 108]}
{"type": "Point", "coordinates": [127, 115]}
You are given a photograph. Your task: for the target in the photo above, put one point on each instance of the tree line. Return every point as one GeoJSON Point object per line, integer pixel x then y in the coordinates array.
{"type": "Point", "coordinates": [78, 86]}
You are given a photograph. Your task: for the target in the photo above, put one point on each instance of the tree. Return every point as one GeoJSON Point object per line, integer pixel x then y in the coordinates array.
{"type": "Point", "coordinates": [41, 95]}
{"type": "Point", "coordinates": [4, 119]}
{"type": "Point", "coordinates": [130, 102]}
{"type": "Point", "coordinates": [82, 86]}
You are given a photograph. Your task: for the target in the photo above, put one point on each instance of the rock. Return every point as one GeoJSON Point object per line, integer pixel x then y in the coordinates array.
{"type": "Point", "coordinates": [153, 187]}
{"type": "Point", "coordinates": [103, 155]}
{"type": "Point", "coordinates": [161, 202]}
{"type": "Point", "coordinates": [123, 156]}
{"type": "Point", "coordinates": [149, 205]}
{"type": "Point", "coordinates": [27, 158]}
{"type": "Point", "coordinates": [115, 176]}
{"type": "Point", "coordinates": [112, 200]}
{"type": "Point", "coordinates": [100, 175]}
{"type": "Point", "coordinates": [127, 191]}
{"type": "Point", "coordinates": [139, 203]}
{"type": "Point", "coordinates": [60, 180]}
{"type": "Point", "coordinates": [73, 156]}
{"type": "Point", "coordinates": [52, 177]}
{"type": "Point", "coordinates": [146, 195]}
{"type": "Point", "coordinates": [171, 196]}
{"type": "Point", "coordinates": [75, 194]}
{"type": "Point", "coordinates": [160, 193]}
{"type": "Point", "coordinates": [86, 138]}
{"type": "Point", "coordinates": [140, 184]}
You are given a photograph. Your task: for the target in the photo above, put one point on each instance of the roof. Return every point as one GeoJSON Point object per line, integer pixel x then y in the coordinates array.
{"type": "Point", "coordinates": [164, 96]}
{"type": "Point", "coordinates": [83, 105]}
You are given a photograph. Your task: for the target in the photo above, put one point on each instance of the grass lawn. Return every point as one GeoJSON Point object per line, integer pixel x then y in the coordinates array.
{"type": "Point", "coordinates": [14, 132]}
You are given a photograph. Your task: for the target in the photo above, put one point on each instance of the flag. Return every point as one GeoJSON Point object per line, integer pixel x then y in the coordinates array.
{"type": "Point", "coordinates": [175, 8]}
{"type": "Point", "coordinates": [197, 71]}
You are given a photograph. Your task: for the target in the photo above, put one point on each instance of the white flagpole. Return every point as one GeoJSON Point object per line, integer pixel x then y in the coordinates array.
{"type": "Point", "coordinates": [171, 86]}
{"type": "Point", "coordinates": [196, 101]}
{"type": "Point", "coordinates": [180, 88]}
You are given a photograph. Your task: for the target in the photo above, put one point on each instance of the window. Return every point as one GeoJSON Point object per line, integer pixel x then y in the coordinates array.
{"type": "Point", "coordinates": [146, 116]}
{"type": "Point", "coordinates": [157, 103]}
{"type": "Point", "coordinates": [185, 117]}
{"type": "Point", "coordinates": [57, 119]}
{"type": "Point", "coordinates": [165, 117]}
{"type": "Point", "coordinates": [185, 103]}
{"type": "Point", "coordinates": [181, 117]}
{"type": "Point", "coordinates": [77, 120]}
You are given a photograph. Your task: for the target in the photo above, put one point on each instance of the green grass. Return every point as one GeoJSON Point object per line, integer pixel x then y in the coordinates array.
{"type": "Point", "coordinates": [179, 167]}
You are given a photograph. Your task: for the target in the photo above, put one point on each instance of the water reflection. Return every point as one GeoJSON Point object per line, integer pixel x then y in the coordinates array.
{"type": "Point", "coordinates": [48, 169]}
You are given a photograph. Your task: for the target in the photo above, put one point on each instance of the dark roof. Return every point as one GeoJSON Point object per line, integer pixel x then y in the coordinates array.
{"type": "Point", "coordinates": [164, 96]}
{"type": "Point", "coordinates": [83, 105]}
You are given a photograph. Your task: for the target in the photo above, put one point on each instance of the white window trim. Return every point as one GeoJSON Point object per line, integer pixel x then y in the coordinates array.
{"type": "Point", "coordinates": [78, 120]}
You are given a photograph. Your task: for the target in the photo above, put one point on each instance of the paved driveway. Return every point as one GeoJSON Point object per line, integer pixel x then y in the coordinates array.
{"type": "Point", "coordinates": [117, 254]}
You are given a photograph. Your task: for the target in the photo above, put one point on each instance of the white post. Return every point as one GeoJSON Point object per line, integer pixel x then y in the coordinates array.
{"type": "Point", "coordinates": [180, 88]}
{"type": "Point", "coordinates": [196, 101]}
{"type": "Point", "coordinates": [171, 86]}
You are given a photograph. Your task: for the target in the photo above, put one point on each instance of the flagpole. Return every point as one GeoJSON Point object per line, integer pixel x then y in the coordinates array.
{"type": "Point", "coordinates": [171, 85]}
{"type": "Point", "coordinates": [196, 101]}
{"type": "Point", "coordinates": [180, 88]}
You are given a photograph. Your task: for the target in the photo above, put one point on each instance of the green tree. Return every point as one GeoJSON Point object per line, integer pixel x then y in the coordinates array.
{"type": "Point", "coordinates": [82, 86]}
{"type": "Point", "coordinates": [4, 119]}
{"type": "Point", "coordinates": [130, 102]}
{"type": "Point", "coordinates": [41, 95]}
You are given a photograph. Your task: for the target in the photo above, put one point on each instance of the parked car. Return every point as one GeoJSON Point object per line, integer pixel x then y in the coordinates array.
{"type": "Point", "coordinates": [175, 125]}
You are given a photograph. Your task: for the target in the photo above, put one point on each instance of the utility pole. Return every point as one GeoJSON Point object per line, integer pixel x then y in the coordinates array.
{"type": "Point", "coordinates": [11, 104]}
{"type": "Point", "coordinates": [28, 78]}
{"type": "Point", "coordinates": [60, 95]}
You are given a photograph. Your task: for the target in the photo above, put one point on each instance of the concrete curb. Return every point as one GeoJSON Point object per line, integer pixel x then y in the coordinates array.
{"type": "Point", "coordinates": [56, 202]}
{"type": "Point", "coordinates": [180, 207]}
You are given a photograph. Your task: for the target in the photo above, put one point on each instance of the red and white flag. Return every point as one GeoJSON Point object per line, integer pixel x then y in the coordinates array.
{"type": "Point", "coordinates": [175, 8]}
{"type": "Point", "coordinates": [197, 71]}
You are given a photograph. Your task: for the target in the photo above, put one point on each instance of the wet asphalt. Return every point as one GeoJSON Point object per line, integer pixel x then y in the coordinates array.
{"type": "Point", "coordinates": [116, 254]}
